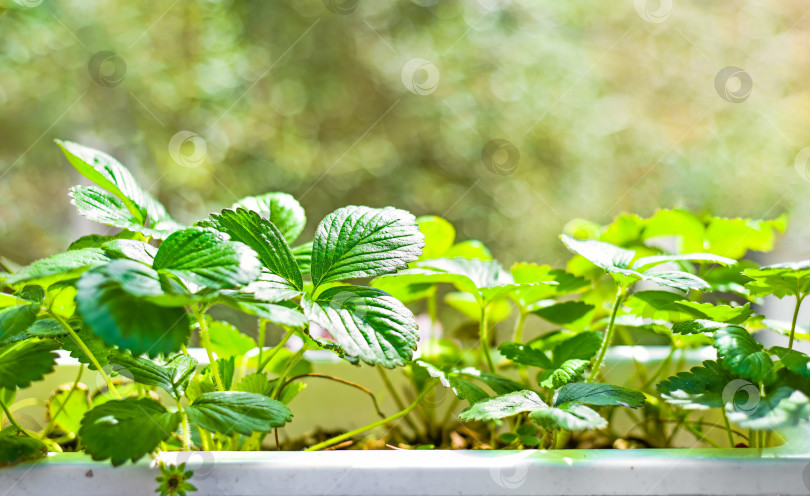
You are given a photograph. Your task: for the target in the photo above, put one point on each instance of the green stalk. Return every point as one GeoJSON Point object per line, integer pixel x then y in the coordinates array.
{"type": "Point", "coordinates": [287, 369]}
{"type": "Point", "coordinates": [14, 422]}
{"type": "Point", "coordinates": [518, 334]}
{"type": "Point", "coordinates": [262, 325]}
{"type": "Point", "coordinates": [64, 402]}
{"type": "Point", "coordinates": [351, 434]}
{"type": "Point", "coordinates": [728, 428]}
{"type": "Point", "coordinates": [432, 313]}
{"type": "Point", "coordinates": [86, 350]}
{"type": "Point", "coordinates": [799, 299]}
{"type": "Point", "coordinates": [485, 337]}
{"type": "Point", "coordinates": [205, 337]}
{"type": "Point", "coordinates": [275, 350]}
{"type": "Point", "coordinates": [397, 398]}
{"type": "Point", "coordinates": [608, 334]}
{"type": "Point", "coordinates": [186, 430]}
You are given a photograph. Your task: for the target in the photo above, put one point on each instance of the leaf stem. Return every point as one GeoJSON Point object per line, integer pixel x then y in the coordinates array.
{"type": "Point", "coordinates": [262, 325]}
{"type": "Point", "coordinates": [186, 430]}
{"type": "Point", "coordinates": [86, 350]}
{"type": "Point", "coordinates": [336, 379]}
{"type": "Point", "coordinates": [14, 422]}
{"type": "Point", "coordinates": [432, 337]}
{"type": "Point", "coordinates": [518, 334]}
{"type": "Point", "coordinates": [799, 299]}
{"type": "Point", "coordinates": [728, 428]}
{"type": "Point", "coordinates": [350, 434]}
{"type": "Point", "coordinates": [277, 390]}
{"type": "Point", "coordinates": [485, 337]}
{"type": "Point", "coordinates": [275, 350]}
{"type": "Point", "coordinates": [608, 333]}
{"type": "Point", "coordinates": [205, 337]}
{"type": "Point", "coordinates": [64, 402]}
{"type": "Point", "coordinates": [397, 398]}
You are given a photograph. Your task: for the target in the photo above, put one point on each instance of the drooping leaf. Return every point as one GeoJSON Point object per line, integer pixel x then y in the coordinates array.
{"type": "Point", "coordinates": [742, 354]}
{"type": "Point", "coordinates": [645, 263]}
{"type": "Point", "coordinates": [230, 412]}
{"type": "Point", "coordinates": [569, 416]}
{"type": "Point", "coordinates": [717, 313]}
{"type": "Point", "coordinates": [127, 429]}
{"type": "Point", "coordinates": [356, 242]}
{"type": "Point", "coordinates": [127, 321]}
{"type": "Point", "coordinates": [699, 389]}
{"type": "Point", "coordinates": [101, 206]}
{"type": "Point", "coordinates": [26, 361]}
{"type": "Point", "coordinates": [205, 258]}
{"type": "Point", "coordinates": [264, 238]}
{"type": "Point", "coordinates": [281, 209]}
{"type": "Point", "coordinates": [18, 448]}
{"type": "Point", "coordinates": [17, 319]}
{"type": "Point", "coordinates": [143, 371]}
{"type": "Point", "coordinates": [59, 267]}
{"type": "Point", "coordinates": [678, 280]}
{"type": "Point", "coordinates": [367, 323]}
{"type": "Point", "coordinates": [777, 410]}
{"type": "Point", "coordinates": [795, 361]}
{"type": "Point", "coordinates": [591, 393]}
{"type": "Point", "coordinates": [504, 406]}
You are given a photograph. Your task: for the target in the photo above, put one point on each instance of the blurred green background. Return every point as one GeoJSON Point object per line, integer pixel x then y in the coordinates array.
{"type": "Point", "coordinates": [595, 108]}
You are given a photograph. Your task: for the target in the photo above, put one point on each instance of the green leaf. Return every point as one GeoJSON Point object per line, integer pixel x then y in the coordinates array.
{"type": "Point", "coordinates": [31, 293]}
{"type": "Point", "coordinates": [503, 406]}
{"type": "Point", "coordinates": [592, 393]}
{"type": "Point", "coordinates": [734, 237]}
{"type": "Point", "coordinates": [497, 382]}
{"type": "Point", "coordinates": [59, 267]}
{"type": "Point", "coordinates": [742, 354]}
{"type": "Point", "coordinates": [678, 280]}
{"type": "Point", "coordinates": [717, 313]}
{"type": "Point", "coordinates": [527, 273]}
{"type": "Point", "coordinates": [145, 371]}
{"type": "Point", "coordinates": [795, 361]}
{"type": "Point", "coordinates": [278, 314]}
{"type": "Point", "coordinates": [439, 236]}
{"type": "Point", "coordinates": [470, 249]}
{"type": "Point", "coordinates": [230, 412]}
{"type": "Point", "coordinates": [94, 343]}
{"type": "Point", "coordinates": [778, 410]}
{"type": "Point", "coordinates": [71, 407]}
{"type": "Point", "coordinates": [127, 429]}
{"type": "Point", "coordinates": [568, 371]}
{"type": "Point", "coordinates": [262, 236]}
{"type": "Point", "coordinates": [608, 257]}
{"type": "Point", "coordinates": [26, 361]}
{"type": "Point", "coordinates": [367, 323]}
{"type": "Point", "coordinates": [18, 448]}
{"type": "Point", "coordinates": [564, 313]}
{"type": "Point", "coordinates": [657, 305]}
{"type": "Point", "coordinates": [570, 416]}
{"type": "Point", "coordinates": [270, 288]}
{"type": "Point", "coordinates": [17, 319]}
{"type": "Point", "coordinates": [303, 257]}
{"type": "Point", "coordinates": [699, 389]}
{"type": "Point", "coordinates": [127, 321]}
{"type": "Point", "coordinates": [780, 280]}
{"type": "Point", "coordinates": [645, 263]}
{"type": "Point", "coordinates": [525, 355]}
{"type": "Point", "coordinates": [131, 249]}
{"type": "Point", "coordinates": [257, 383]}
{"type": "Point", "coordinates": [203, 257]}
{"type": "Point", "coordinates": [281, 209]}
{"type": "Point", "coordinates": [228, 341]}
{"type": "Point", "coordinates": [356, 242]}
{"type": "Point", "coordinates": [105, 208]}
{"type": "Point", "coordinates": [698, 326]}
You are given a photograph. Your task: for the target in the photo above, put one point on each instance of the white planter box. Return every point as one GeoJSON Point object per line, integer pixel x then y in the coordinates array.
{"type": "Point", "coordinates": [781, 470]}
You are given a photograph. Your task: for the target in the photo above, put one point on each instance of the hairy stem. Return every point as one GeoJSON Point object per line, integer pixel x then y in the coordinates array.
{"type": "Point", "coordinates": [274, 351]}
{"type": "Point", "coordinates": [86, 350]}
{"type": "Point", "coordinates": [608, 334]}
{"type": "Point", "coordinates": [64, 402]}
{"type": "Point", "coordinates": [351, 434]}
{"type": "Point", "coordinates": [186, 430]}
{"type": "Point", "coordinates": [205, 337]}
{"type": "Point", "coordinates": [799, 299]}
{"type": "Point", "coordinates": [485, 338]}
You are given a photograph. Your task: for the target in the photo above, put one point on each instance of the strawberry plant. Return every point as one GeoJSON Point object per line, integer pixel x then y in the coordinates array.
{"type": "Point", "coordinates": [128, 306]}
